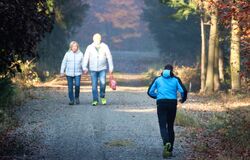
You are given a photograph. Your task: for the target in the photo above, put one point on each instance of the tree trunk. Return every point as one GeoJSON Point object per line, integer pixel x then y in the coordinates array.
{"type": "Point", "coordinates": [235, 55]}
{"type": "Point", "coordinates": [221, 65]}
{"type": "Point", "coordinates": [216, 64]}
{"type": "Point", "coordinates": [203, 56]}
{"type": "Point", "coordinates": [211, 52]}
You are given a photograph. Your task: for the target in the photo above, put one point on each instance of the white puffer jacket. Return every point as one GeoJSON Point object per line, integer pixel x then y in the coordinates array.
{"type": "Point", "coordinates": [72, 63]}
{"type": "Point", "coordinates": [97, 60]}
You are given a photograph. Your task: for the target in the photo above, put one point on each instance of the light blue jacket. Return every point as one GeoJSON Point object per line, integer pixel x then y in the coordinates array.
{"type": "Point", "coordinates": [72, 63]}
{"type": "Point", "coordinates": [166, 87]}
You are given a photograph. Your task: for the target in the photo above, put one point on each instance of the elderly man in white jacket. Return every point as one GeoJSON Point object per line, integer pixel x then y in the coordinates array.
{"type": "Point", "coordinates": [95, 60]}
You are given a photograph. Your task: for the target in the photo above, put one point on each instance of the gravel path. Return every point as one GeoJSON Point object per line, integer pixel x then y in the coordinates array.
{"type": "Point", "coordinates": [125, 129]}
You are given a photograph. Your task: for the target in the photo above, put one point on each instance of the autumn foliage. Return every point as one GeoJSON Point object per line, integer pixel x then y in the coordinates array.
{"type": "Point", "coordinates": [239, 10]}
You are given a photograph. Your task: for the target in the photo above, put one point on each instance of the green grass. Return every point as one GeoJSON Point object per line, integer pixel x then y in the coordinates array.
{"type": "Point", "coordinates": [11, 95]}
{"type": "Point", "coordinates": [216, 122]}
{"type": "Point", "coordinates": [186, 119]}
{"type": "Point", "coordinates": [119, 143]}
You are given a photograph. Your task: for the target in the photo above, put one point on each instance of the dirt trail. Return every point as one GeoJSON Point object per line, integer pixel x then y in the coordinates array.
{"type": "Point", "coordinates": [126, 128]}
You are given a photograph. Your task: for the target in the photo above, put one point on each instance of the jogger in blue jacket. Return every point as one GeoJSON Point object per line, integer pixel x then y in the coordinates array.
{"type": "Point", "coordinates": [164, 89]}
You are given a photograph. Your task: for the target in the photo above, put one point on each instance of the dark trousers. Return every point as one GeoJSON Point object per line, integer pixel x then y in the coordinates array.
{"type": "Point", "coordinates": [166, 111]}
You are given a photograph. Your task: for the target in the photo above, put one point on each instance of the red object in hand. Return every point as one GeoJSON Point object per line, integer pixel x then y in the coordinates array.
{"type": "Point", "coordinates": [112, 82]}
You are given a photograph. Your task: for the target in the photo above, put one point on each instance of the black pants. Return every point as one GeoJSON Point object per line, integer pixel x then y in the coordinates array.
{"type": "Point", "coordinates": [166, 111]}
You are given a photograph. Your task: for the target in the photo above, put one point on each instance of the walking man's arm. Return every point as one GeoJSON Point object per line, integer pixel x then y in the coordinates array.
{"type": "Point", "coordinates": [110, 60]}
{"type": "Point", "coordinates": [85, 61]}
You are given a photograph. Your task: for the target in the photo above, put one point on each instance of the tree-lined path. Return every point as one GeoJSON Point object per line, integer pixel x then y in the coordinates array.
{"type": "Point", "coordinates": [206, 41]}
{"type": "Point", "coordinates": [126, 128]}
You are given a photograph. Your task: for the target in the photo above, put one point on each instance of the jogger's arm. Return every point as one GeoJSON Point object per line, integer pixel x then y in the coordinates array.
{"type": "Point", "coordinates": [153, 89]}
{"type": "Point", "coordinates": [182, 89]}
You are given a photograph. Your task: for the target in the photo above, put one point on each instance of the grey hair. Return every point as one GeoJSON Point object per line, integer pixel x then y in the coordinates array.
{"type": "Point", "coordinates": [72, 43]}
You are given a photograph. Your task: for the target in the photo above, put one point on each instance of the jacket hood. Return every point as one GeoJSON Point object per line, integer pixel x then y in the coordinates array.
{"type": "Point", "coordinates": [166, 73]}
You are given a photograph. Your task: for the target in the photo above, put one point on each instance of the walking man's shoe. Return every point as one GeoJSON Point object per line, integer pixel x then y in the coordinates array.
{"type": "Point", "coordinates": [94, 103]}
{"type": "Point", "coordinates": [71, 103]}
{"type": "Point", "coordinates": [77, 101]}
{"type": "Point", "coordinates": [104, 101]}
{"type": "Point", "coordinates": [166, 151]}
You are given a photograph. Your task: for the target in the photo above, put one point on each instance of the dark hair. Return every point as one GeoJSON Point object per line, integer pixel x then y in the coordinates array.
{"type": "Point", "coordinates": [169, 67]}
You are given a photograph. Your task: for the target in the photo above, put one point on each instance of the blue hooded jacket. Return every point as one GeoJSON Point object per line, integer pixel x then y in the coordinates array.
{"type": "Point", "coordinates": [166, 87]}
